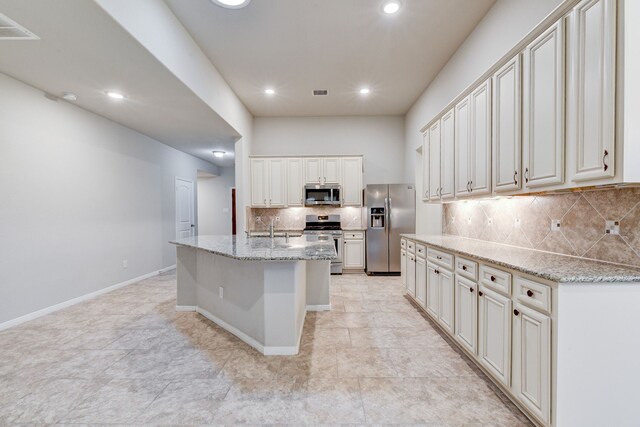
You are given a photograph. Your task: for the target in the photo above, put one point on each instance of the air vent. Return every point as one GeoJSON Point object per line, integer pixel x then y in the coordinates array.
{"type": "Point", "coordinates": [322, 92]}
{"type": "Point", "coordinates": [10, 30]}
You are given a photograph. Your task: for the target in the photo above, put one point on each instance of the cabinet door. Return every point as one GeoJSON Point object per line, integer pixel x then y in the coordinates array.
{"type": "Point", "coordinates": [447, 298]}
{"type": "Point", "coordinates": [295, 182]}
{"type": "Point", "coordinates": [434, 161]}
{"type": "Point", "coordinates": [433, 288]}
{"type": "Point", "coordinates": [352, 181]}
{"type": "Point", "coordinates": [425, 165]}
{"type": "Point", "coordinates": [411, 274]}
{"type": "Point", "coordinates": [259, 180]}
{"type": "Point", "coordinates": [591, 109]}
{"type": "Point", "coordinates": [277, 194]}
{"type": "Point", "coordinates": [331, 170]}
{"type": "Point", "coordinates": [403, 268]}
{"type": "Point", "coordinates": [532, 360]}
{"type": "Point", "coordinates": [313, 170]}
{"type": "Point", "coordinates": [461, 126]}
{"type": "Point", "coordinates": [466, 312]}
{"type": "Point", "coordinates": [543, 109]}
{"type": "Point", "coordinates": [353, 254]}
{"type": "Point", "coordinates": [447, 158]}
{"type": "Point", "coordinates": [421, 281]}
{"type": "Point", "coordinates": [494, 330]}
{"type": "Point", "coordinates": [507, 141]}
{"type": "Point", "coordinates": [480, 148]}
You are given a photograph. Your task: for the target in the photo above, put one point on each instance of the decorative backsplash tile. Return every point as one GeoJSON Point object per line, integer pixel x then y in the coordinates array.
{"type": "Point", "coordinates": [532, 222]}
{"type": "Point", "coordinates": [294, 218]}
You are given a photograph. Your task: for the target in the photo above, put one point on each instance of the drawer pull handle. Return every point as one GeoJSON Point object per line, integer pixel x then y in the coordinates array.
{"type": "Point", "coordinates": [470, 289]}
{"type": "Point", "coordinates": [464, 267]}
{"type": "Point", "coordinates": [516, 312]}
{"type": "Point", "coordinates": [606, 166]}
{"type": "Point", "coordinates": [480, 293]}
{"type": "Point", "coordinates": [438, 257]}
{"type": "Point", "coordinates": [529, 293]}
{"type": "Point", "coordinates": [493, 278]}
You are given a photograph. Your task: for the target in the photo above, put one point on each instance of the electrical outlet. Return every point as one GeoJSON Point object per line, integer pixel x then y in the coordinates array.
{"type": "Point", "coordinates": [221, 292]}
{"type": "Point", "coordinates": [489, 221]}
{"type": "Point", "coordinates": [258, 218]}
{"type": "Point", "coordinates": [555, 225]}
{"type": "Point", "coordinates": [125, 263]}
{"type": "Point", "coordinates": [453, 220]}
{"type": "Point", "coordinates": [277, 219]}
{"type": "Point", "coordinates": [517, 223]}
{"type": "Point", "coordinates": [612, 227]}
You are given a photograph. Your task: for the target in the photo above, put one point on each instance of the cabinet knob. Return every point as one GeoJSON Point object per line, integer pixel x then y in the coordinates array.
{"type": "Point", "coordinates": [529, 293]}
{"type": "Point", "coordinates": [464, 267]}
{"type": "Point", "coordinates": [471, 289]}
{"type": "Point", "coordinates": [516, 312]}
{"type": "Point", "coordinates": [493, 278]}
{"type": "Point", "coordinates": [480, 293]}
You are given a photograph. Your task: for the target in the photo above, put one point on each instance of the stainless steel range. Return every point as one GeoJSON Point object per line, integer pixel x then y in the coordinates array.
{"type": "Point", "coordinates": [327, 227]}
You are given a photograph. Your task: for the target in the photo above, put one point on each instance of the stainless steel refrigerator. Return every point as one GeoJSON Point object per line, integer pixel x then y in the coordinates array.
{"type": "Point", "coordinates": [391, 211]}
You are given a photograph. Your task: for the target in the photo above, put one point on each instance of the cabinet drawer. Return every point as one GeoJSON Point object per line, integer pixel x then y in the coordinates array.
{"type": "Point", "coordinates": [441, 258]}
{"type": "Point", "coordinates": [411, 246]}
{"type": "Point", "coordinates": [354, 235]}
{"type": "Point", "coordinates": [403, 243]}
{"type": "Point", "coordinates": [421, 251]}
{"type": "Point", "coordinates": [467, 268]}
{"type": "Point", "coordinates": [495, 279]}
{"type": "Point", "coordinates": [534, 294]}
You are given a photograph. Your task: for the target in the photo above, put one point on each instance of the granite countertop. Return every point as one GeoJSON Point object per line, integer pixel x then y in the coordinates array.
{"type": "Point", "coordinates": [546, 265]}
{"type": "Point", "coordinates": [305, 248]}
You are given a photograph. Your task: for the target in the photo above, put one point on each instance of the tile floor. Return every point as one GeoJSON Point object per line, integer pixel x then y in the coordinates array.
{"type": "Point", "coordinates": [128, 358]}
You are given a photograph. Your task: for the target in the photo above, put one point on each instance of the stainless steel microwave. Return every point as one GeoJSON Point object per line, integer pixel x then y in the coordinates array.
{"type": "Point", "coordinates": [315, 194]}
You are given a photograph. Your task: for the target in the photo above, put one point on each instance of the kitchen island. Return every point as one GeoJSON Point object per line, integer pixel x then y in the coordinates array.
{"type": "Point", "coordinates": [257, 288]}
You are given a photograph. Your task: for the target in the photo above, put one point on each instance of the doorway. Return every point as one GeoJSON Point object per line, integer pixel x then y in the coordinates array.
{"type": "Point", "coordinates": [185, 209]}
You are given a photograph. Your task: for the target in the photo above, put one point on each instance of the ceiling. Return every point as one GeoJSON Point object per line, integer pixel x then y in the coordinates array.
{"type": "Point", "coordinates": [296, 46]}
{"type": "Point", "coordinates": [84, 51]}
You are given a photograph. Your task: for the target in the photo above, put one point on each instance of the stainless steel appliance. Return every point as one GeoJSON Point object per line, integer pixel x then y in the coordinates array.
{"type": "Point", "coordinates": [327, 227]}
{"type": "Point", "coordinates": [391, 211]}
{"type": "Point", "coordinates": [315, 194]}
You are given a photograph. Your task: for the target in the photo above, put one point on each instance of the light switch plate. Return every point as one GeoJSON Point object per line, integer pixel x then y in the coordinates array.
{"type": "Point", "coordinates": [612, 227]}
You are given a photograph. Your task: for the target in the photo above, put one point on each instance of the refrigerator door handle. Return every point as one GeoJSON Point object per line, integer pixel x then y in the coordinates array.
{"type": "Point", "coordinates": [389, 213]}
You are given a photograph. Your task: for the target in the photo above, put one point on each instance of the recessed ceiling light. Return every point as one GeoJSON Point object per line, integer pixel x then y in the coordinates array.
{"type": "Point", "coordinates": [115, 95]}
{"type": "Point", "coordinates": [391, 7]}
{"type": "Point", "coordinates": [269, 91]}
{"type": "Point", "coordinates": [232, 4]}
{"type": "Point", "coordinates": [365, 91]}
{"type": "Point", "coordinates": [218, 154]}
{"type": "Point", "coordinates": [68, 96]}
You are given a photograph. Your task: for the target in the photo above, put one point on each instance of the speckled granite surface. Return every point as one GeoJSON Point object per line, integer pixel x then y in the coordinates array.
{"type": "Point", "coordinates": [305, 248]}
{"type": "Point", "coordinates": [550, 266]}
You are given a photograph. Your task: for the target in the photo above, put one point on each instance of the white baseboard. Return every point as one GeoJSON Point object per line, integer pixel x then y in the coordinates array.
{"type": "Point", "coordinates": [82, 298]}
{"type": "Point", "coordinates": [164, 270]}
{"type": "Point", "coordinates": [186, 308]}
{"type": "Point", "coordinates": [321, 307]}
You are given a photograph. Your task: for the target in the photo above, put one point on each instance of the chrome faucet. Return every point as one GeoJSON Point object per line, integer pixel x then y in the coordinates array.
{"type": "Point", "coordinates": [286, 237]}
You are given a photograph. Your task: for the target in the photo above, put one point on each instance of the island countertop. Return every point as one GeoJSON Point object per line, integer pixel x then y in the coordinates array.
{"type": "Point", "coordinates": [546, 265]}
{"type": "Point", "coordinates": [305, 248]}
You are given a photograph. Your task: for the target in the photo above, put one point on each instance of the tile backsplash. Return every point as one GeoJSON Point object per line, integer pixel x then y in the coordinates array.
{"type": "Point", "coordinates": [294, 218]}
{"type": "Point", "coordinates": [568, 223]}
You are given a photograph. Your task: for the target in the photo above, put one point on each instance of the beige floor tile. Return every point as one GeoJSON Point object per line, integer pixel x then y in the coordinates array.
{"type": "Point", "coordinates": [374, 337]}
{"type": "Point", "coordinates": [364, 363]}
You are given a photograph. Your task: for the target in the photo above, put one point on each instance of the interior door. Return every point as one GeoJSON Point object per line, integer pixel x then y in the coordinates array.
{"type": "Point", "coordinates": [401, 219]}
{"type": "Point", "coordinates": [185, 209]}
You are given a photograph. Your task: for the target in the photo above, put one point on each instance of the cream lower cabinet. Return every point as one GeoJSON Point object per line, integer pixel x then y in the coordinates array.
{"type": "Point", "coordinates": [411, 274]}
{"type": "Point", "coordinates": [433, 290]}
{"type": "Point", "coordinates": [466, 313]}
{"type": "Point", "coordinates": [353, 254]}
{"type": "Point", "coordinates": [440, 293]}
{"type": "Point", "coordinates": [403, 268]}
{"type": "Point", "coordinates": [421, 280]}
{"type": "Point", "coordinates": [494, 334]}
{"type": "Point", "coordinates": [531, 374]}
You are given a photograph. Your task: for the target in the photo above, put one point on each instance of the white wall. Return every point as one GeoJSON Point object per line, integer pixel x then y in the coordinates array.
{"type": "Point", "coordinates": [79, 195]}
{"type": "Point", "coordinates": [379, 138]}
{"type": "Point", "coordinates": [506, 23]}
{"type": "Point", "coordinates": [214, 202]}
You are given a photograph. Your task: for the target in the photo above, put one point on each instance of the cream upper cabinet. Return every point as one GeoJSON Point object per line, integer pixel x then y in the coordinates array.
{"type": "Point", "coordinates": [531, 377]}
{"type": "Point", "coordinates": [259, 183]}
{"type": "Point", "coordinates": [480, 140]}
{"type": "Point", "coordinates": [447, 159]}
{"type": "Point", "coordinates": [466, 311]}
{"type": "Point", "coordinates": [331, 170]}
{"type": "Point", "coordinates": [434, 161]}
{"type": "Point", "coordinates": [462, 146]}
{"type": "Point", "coordinates": [543, 109]}
{"type": "Point", "coordinates": [352, 181]}
{"type": "Point", "coordinates": [506, 135]}
{"type": "Point", "coordinates": [313, 170]}
{"type": "Point", "coordinates": [591, 88]}
{"type": "Point", "coordinates": [295, 182]}
{"type": "Point", "coordinates": [494, 334]}
{"type": "Point", "coordinates": [425, 165]}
